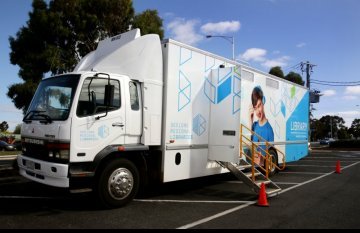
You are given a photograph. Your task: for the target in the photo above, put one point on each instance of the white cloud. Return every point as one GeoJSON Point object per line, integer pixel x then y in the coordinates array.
{"type": "Point", "coordinates": [300, 45]}
{"type": "Point", "coordinates": [259, 55]}
{"type": "Point", "coordinates": [184, 31]}
{"type": "Point", "coordinates": [349, 97]}
{"type": "Point", "coordinates": [329, 92]}
{"type": "Point", "coordinates": [349, 116]}
{"type": "Point", "coordinates": [281, 61]}
{"type": "Point", "coordinates": [353, 90]}
{"type": "Point", "coordinates": [221, 27]}
{"type": "Point", "coordinates": [254, 54]}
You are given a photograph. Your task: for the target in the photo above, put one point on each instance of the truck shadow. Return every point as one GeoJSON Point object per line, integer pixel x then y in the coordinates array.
{"type": "Point", "coordinates": [22, 197]}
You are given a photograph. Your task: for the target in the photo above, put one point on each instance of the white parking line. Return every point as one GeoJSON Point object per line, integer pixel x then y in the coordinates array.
{"type": "Point", "coordinates": [301, 165]}
{"type": "Point", "coordinates": [305, 173]}
{"type": "Point", "coordinates": [234, 181]}
{"type": "Point", "coordinates": [204, 220]}
{"type": "Point", "coordinates": [329, 161]}
{"type": "Point", "coordinates": [27, 197]}
{"type": "Point", "coordinates": [335, 151]}
{"type": "Point", "coordinates": [192, 201]}
{"type": "Point", "coordinates": [326, 157]}
{"type": "Point", "coordinates": [291, 183]}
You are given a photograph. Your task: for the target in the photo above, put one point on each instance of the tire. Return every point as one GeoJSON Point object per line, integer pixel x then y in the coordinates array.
{"type": "Point", "coordinates": [274, 159]}
{"type": "Point", "coordinates": [117, 184]}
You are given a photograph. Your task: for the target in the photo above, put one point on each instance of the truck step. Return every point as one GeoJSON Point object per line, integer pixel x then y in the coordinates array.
{"type": "Point", "coordinates": [259, 182]}
{"type": "Point", "coordinates": [249, 174]}
{"type": "Point", "coordinates": [243, 167]}
{"type": "Point", "coordinates": [272, 191]}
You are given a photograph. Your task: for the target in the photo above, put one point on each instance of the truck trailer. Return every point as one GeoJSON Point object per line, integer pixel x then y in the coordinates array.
{"type": "Point", "coordinates": [139, 110]}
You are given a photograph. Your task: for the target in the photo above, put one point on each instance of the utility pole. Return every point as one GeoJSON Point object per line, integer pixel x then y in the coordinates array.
{"type": "Point", "coordinates": [308, 68]}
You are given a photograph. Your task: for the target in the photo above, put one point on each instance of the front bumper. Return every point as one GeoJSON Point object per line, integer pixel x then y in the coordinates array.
{"type": "Point", "coordinates": [52, 174]}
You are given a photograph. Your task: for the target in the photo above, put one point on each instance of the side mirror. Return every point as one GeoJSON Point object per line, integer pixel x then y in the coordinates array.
{"type": "Point", "coordinates": [109, 95]}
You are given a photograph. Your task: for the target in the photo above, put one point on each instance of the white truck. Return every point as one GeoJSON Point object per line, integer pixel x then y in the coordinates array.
{"type": "Point", "coordinates": [138, 109]}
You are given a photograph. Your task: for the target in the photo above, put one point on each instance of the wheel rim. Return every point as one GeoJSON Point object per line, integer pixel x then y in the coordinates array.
{"type": "Point", "coordinates": [120, 183]}
{"type": "Point", "coordinates": [272, 163]}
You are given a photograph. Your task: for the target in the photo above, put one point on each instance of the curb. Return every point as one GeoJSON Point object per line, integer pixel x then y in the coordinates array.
{"type": "Point", "coordinates": [8, 157]}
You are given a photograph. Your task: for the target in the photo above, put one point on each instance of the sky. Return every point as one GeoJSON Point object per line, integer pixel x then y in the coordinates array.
{"type": "Point", "coordinates": [266, 33]}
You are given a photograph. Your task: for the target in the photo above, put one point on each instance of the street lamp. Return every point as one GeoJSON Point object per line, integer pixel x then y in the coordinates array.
{"type": "Point", "coordinates": [228, 38]}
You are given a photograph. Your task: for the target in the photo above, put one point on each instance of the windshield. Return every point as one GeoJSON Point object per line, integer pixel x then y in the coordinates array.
{"type": "Point", "coordinates": [53, 99]}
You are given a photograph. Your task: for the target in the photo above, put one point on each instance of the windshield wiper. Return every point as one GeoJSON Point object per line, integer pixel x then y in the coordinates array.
{"type": "Point", "coordinates": [28, 114]}
{"type": "Point", "coordinates": [47, 118]}
{"type": "Point", "coordinates": [37, 113]}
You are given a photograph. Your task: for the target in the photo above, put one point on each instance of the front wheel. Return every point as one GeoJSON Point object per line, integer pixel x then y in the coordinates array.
{"type": "Point", "coordinates": [118, 183]}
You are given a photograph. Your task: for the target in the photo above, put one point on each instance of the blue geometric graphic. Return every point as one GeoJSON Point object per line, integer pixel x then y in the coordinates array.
{"type": "Point", "coordinates": [184, 95]}
{"type": "Point", "coordinates": [185, 55]}
{"type": "Point", "coordinates": [220, 79]}
{"type": "Point", "coordinates": [184, 92]}
{"type": "Point", "coordinates": [209, 65]}
{"type": "Point", "coordinates": [237, 94]}
{"type": "Point", "coordinates": [218, 92]}
{"type": "Point", "coordinates": [210, 91]}
{"type": "Point", "coordinates": [199, 125]}
{"type": "Point", "coordinates": [103, 131]}
{"type": "Point", "coordinates": [275, 108]}
{"type": "Point", "coordinates": [297, 130]}
{"type": "Point", "coordinates": [224, 90]}
{"type": "Point", "coordinates": [283, 109]}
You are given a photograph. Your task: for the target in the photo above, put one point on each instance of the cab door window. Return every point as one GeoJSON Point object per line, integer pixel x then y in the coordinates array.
{"type": "Point", "coordinates": [92, 97]}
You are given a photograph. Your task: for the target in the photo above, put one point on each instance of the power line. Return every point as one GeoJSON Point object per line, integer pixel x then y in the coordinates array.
{"type": "Point", "coordinates": [294, 67]}
{"type": "Point", "coordinates": [355, 82]}
{"type": "Point", "coordinates": [336, 85]}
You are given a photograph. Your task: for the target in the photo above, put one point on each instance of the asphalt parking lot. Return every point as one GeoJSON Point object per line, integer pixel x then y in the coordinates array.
{"type": "Point", "coordinates": [312, 196]}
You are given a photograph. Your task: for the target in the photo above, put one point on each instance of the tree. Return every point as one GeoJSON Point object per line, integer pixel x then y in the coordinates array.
{"type": "Point", "coordinates": [4, 126]}
{"type": "Point", "coordinates": [17, 129]}
{"type": "Point", "coordinates": [291, 76]}
{"type": "Point", "coordinates": [150, 23]}
{"type": "Point", "coordinates": [57, 35]}
{"type": "Point", "coordinates": [332, 126]}
{"type": "Point", "coordinates": [277, 71]}
{"type": "Point", "coordinates": [355, 128]}
{"type": "Point", "coordinates": [295, 78]}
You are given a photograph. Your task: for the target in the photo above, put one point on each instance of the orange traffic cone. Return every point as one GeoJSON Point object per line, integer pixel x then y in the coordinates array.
{"type": "Point", "coordinates": [262, 200]}
{"type": "Point", "coordinates": [338, 168]}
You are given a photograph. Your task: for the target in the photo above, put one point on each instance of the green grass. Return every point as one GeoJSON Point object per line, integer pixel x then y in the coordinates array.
{"type": "Point", "coordinates": [9, 152]}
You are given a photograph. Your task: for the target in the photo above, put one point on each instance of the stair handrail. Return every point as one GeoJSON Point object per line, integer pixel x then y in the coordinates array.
{"type": "Point", "coordinates": [256, 147]}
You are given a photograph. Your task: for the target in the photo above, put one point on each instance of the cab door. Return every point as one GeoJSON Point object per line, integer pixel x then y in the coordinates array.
{"type": "Point", "coordinates": [98, 124]}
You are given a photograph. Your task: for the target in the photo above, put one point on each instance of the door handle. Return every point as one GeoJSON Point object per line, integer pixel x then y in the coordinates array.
{"type": "Point", "coordinates": [117, 124]}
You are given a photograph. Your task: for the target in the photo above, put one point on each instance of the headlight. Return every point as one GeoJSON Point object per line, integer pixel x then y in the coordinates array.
{"type": "Point", "coordinates": [59, 150]}
{"type": "Point", "coordinates": [64, 154]}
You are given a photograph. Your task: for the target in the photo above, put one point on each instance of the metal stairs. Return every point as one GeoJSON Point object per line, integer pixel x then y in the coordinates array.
{"type": "Point", "coordinates": [243, 171]}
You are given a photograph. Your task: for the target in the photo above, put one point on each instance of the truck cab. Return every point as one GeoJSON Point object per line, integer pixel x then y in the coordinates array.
{"type": "Point", "coordinates": [77, 123]}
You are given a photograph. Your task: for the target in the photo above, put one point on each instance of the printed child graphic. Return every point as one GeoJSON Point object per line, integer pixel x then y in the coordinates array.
{"type": "Point", "coordinates": [261, 127]}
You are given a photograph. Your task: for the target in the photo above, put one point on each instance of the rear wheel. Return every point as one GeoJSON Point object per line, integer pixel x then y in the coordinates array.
{"type": "Point", "coordinates": [118, 183]}
{"type": "Point", "coordinates": [273, 162]}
